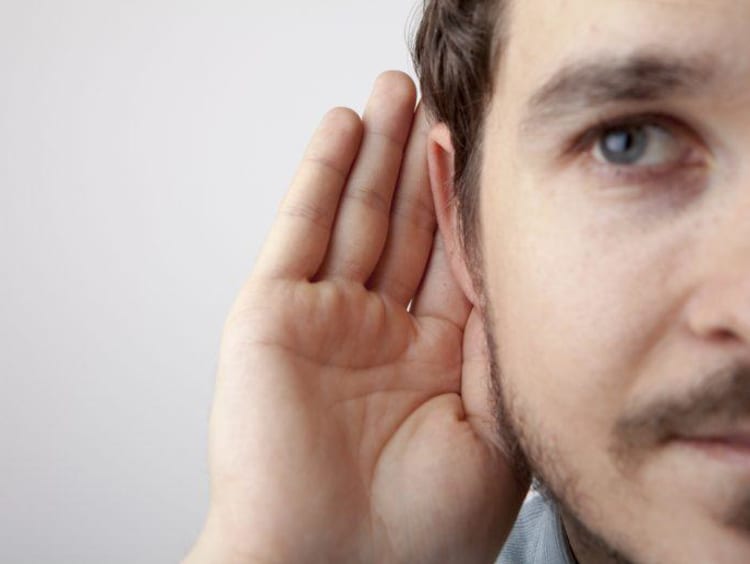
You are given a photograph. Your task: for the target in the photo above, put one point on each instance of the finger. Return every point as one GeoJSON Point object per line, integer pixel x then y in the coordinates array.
{"type": "Point", "coordinates": [412, 225]}
{"type": "Point", "coordinates": [362, 220]}
{"type": "Point", "coordinates": [298, 241]}
{"type": "Point", "coordinates": [440, 296]}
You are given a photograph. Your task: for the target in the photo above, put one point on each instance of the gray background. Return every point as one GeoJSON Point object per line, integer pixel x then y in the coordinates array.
{"type": "Point", "coordinates": [144, 146]}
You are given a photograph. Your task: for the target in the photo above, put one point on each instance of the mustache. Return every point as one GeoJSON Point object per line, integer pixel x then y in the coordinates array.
{"type": "Point", "coordinates": [722, 398]}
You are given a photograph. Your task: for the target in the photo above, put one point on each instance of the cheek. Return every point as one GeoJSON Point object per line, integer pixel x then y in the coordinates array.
{"type": "Point", "coordinates": [576, 312]}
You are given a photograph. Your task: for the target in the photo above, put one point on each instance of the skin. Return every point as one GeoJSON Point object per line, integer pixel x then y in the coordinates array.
{"type": "Point", "coordinates": [605, 291]}
{"type": "Point", "coordinates": [610, 292]}
{"type": "Point", "coordinates": [346, 428]}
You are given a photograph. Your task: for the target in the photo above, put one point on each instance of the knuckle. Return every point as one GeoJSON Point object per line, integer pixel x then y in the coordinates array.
{"type": "Point", "coordinates": [418, 213]}
{"type": "Point", "coordinates": [370, 197]}
{"type": "Point", "coordinates": [390, 143]}
{"type": "Point", "coordinates": [326, 165]}
{"type": "Point", "coordinates": [315, 215]}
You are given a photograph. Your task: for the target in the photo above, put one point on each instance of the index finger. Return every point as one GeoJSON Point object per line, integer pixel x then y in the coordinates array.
{"type": "Point", "coordinates": [297, 243]}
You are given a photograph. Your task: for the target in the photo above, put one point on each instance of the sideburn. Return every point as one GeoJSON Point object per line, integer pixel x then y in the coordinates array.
{"type": "Point", "coordinates": [504, 427]}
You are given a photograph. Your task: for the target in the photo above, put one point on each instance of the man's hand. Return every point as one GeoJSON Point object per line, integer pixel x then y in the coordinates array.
{"type": "Point", "coordinates": [346, 427]}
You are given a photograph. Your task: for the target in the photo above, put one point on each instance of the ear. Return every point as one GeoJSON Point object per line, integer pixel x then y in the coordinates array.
{"type": "Point", "coordinates": [441, 166]}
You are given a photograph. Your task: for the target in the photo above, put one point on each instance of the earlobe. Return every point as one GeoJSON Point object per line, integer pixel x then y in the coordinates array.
{"type": "Point", "coordinates": [441, 165]}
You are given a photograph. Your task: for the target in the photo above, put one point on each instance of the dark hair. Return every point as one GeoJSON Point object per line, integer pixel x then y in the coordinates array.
{"type": "Point", "coordinates": [455, 53]}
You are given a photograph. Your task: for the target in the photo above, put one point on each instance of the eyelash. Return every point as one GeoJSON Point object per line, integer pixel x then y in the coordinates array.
{"type": "Point", "coordinates": [584, 143]}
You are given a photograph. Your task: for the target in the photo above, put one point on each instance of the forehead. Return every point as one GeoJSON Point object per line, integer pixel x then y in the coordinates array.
{"type": "Point", "coordinates": [548, 34]}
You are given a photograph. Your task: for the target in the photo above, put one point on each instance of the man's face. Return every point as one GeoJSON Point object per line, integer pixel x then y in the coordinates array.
{"type": "Point", "coordinates": [615, 214]}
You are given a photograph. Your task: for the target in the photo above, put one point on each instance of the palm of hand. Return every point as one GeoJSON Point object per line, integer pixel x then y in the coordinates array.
{"type": "Point", "coordinates": [338, 411]}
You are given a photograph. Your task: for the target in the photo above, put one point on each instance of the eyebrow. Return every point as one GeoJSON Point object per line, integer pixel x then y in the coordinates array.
{"type": "Point", "coordinates": [639, 77]}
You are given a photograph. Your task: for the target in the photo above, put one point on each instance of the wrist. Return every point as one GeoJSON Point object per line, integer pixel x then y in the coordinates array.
{"type": "Point", "coordinates": [212, 547]}
{"type": "Point", "coordinates": [209, 551]}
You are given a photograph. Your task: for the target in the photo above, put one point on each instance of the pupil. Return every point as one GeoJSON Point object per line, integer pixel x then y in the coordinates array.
{"type": "Point", "coordinates": [620, 142]}
{"type": "Point", "coordinates": [624, 146]}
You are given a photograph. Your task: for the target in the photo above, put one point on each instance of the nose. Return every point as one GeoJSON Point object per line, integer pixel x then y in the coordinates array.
{"type": "Point", "coordinates": [719, 308]}
{"type": "Point", "coordinates": [721, 311]}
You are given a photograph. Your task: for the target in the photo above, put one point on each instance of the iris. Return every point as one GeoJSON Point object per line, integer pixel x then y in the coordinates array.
{"type": "Point", "coordinates": [624, 145]}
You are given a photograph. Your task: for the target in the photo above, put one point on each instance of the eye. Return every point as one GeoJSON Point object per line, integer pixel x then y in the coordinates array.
{"type": "Point", "coordinates": [640, 150]}
{"type": "Point", "coordinates": [637, 145]}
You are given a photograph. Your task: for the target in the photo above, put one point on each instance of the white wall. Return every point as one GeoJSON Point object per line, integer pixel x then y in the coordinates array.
{"type": "Point", "coordinates": [144, 146]}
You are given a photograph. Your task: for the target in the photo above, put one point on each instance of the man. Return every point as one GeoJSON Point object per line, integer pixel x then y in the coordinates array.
{"type": "Point", "coordinates": [585, 166]}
